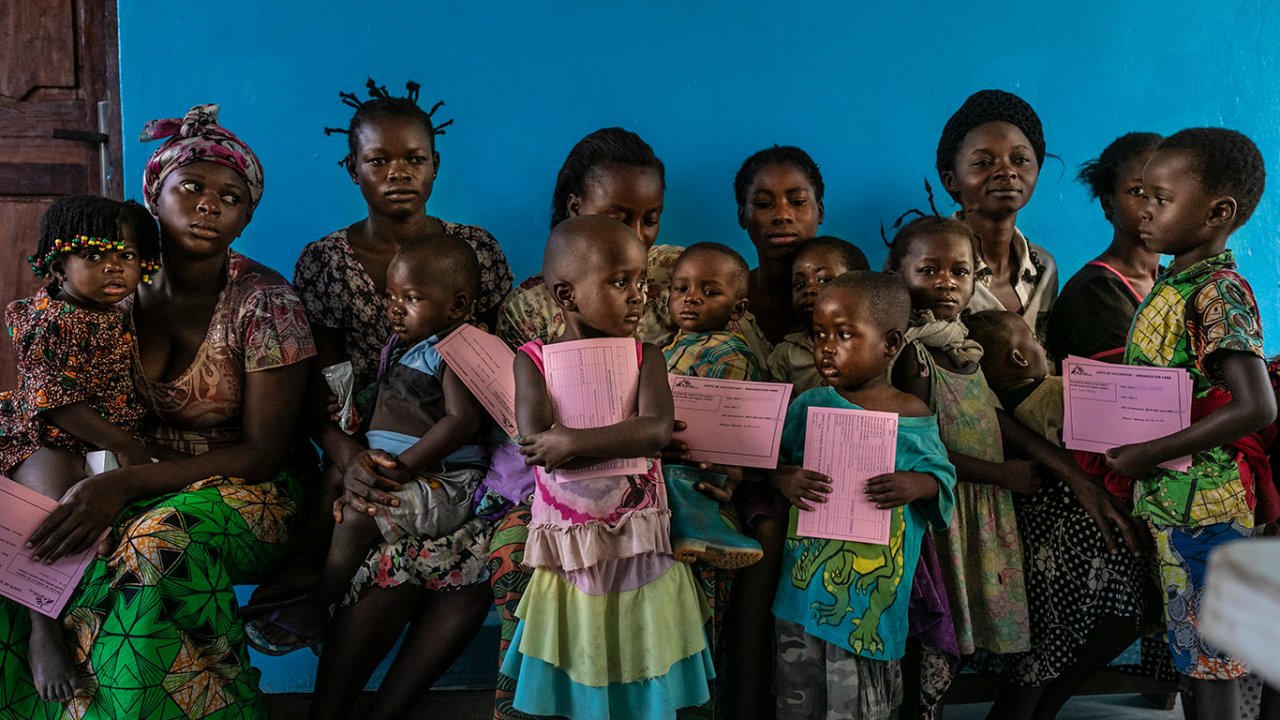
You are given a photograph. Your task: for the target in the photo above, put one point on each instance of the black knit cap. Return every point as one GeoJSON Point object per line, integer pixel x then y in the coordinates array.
{"type": "Point", "coordinates": [987, 106]}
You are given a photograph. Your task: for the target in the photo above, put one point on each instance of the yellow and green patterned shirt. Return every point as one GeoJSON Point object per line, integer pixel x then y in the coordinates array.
{"type": "Point", "coordinates": [1187, 318]}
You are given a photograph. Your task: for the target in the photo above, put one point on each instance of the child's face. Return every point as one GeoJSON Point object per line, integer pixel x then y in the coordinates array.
{"type": "Point", "coordinates": [995, 170]}
{"type": "Point", "coordinates": [419, 303]}
{"type": "Point", "coordinates": [1124, 207]}
{"type": "Point", "coordinates": [1176, 218]}
{"type": "Point", "coordinates": [705, 289]}
{"type": "Point", "coordinates": [100, 278]}
{"type": "Point", "coordinates": [394, 164]}
{"type": "Point", "coordinates": [202, 208]}
{"type": "Point", "coordinates": [850, 349]}
{"type": "Point", "coordinates": [782, 211]}
{"type": "Point", "coordinates": [812, 269]}
{"type": "Point", "coordinates": [938, 271]}
{"type": "Point", "coordinates": [631, 195]}
{"type": "Point", "coordinates": [608, 295]}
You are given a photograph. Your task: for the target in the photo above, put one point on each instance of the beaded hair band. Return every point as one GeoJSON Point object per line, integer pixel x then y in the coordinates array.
{"type": "Point", "coordinates": [41, 265]}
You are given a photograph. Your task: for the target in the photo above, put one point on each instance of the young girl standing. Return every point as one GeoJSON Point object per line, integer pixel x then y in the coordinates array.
{"type": "Point", "coordinates": [74, 391]}
{"type": "Point", "coordinates": [1201, 185]}
{"type": "Point", "coordinates": [610, 624]}
{"type": "Point", "coordinates": [1096, 307]}
{"type": "Point", "coordinates": [989, 159]}
{"type": "Point", "coordinates": [981, 554]}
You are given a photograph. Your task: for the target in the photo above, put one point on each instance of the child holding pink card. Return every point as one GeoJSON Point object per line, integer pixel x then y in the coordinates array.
{"type": "Point", "coordinates": [708, 292]}
{"type": "Point", "coordinates": [841, 606]}
{"type": "Point", "coordinates": [75, 394]}
{"type": "Point", "coordinates": [611, 624]}
{"type": "Point", "coordinates": [980, 556]}
{"type": "Point", "coordinates": [1201, 185]}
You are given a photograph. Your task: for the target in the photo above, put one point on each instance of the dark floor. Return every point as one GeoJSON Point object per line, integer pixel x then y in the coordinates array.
{"type": "Point", "coordinates": [437, 705]}
{"type": "Point", "coordinates": [478, 705]}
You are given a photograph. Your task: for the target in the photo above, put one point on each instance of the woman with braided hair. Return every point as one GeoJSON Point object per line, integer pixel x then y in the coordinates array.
{"type": "Point", "coordinates": [434, 586]}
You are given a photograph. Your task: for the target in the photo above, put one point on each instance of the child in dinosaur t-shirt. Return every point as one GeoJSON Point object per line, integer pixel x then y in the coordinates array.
{"type": "Point", "coordinates": [841, 606]}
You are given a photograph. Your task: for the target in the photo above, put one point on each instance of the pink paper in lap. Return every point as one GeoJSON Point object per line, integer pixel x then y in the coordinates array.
{"type": "Point", "coordinates": [43, 588]}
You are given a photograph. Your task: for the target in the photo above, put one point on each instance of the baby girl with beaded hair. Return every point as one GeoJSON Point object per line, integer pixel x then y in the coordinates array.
{"type": "Point", "coordinates": [75, 393]}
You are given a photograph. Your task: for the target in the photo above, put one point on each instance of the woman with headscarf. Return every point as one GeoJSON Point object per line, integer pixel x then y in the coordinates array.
{"type": "Point", "coordinates": [989, 158]}
{"type": "Point", "coordinates": [222, 344]}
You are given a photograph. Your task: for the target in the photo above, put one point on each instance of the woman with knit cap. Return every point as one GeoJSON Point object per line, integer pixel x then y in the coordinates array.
{"type": "Point", "coordinates": [222, 344]}
{"type": "Point", "coordinates": [989, 158]}
{"type": "Point", "coordinates": [1084, 590]}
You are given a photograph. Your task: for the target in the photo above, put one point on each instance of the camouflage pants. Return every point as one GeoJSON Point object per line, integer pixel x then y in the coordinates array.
{"type": "Point", "coordinates": [816, 680]}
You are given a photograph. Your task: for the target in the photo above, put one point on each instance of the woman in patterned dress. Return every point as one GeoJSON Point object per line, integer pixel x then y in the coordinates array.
{"type": "Point", "coordinates": [436, 587]}
{"type": "Point", "coordinates": [222, 344]}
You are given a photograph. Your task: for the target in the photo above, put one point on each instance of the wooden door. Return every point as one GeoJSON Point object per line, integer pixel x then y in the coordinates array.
{"type": "Point", "coordinates": [58, 62]}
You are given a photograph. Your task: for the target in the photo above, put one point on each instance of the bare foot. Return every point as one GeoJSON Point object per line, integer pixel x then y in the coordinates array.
{"type": "Point", "coordinates": [52, 670]}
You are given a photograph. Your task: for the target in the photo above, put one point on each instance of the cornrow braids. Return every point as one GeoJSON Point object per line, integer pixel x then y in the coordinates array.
{"type": "Point", "coordinates": [777, 155]}
{"type": "Point", "coordinates": [382, 103]}
{"type": "Point", "coordinates": [1101, 173]}
{"type": "Point", "coordinates": [928, 189]}
{"type": "Point", "coordinates": [87, 221]}
{"type": "Point", "coordinates": [1227, 162]}
{"type": "Point", "coordinates": [613, 146]}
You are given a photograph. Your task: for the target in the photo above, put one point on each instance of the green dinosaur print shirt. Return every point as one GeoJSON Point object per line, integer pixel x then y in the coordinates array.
{"type": "Point", "coordinates": [854, 594]}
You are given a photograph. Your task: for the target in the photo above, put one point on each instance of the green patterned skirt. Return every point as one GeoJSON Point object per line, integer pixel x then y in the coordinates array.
{"type": "Point", "coordinates": [155, 628]}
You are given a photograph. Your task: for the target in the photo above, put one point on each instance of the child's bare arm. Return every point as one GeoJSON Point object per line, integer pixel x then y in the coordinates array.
{"type": "Point", "coordinates": [1252, 406]}
{"type": "Point", "coordinates": [461, 421]}
{"type": "Point", "coordinates": [641, 435]}
{"type": "Point", "coordinates": [533, 403]}
{"type": "Point", "coordinates": [1105, 511]}
{"type": "Point", "coordinates": [899, 488]}
{"type": "Point", "coordinates": [1020, 476]}
{"type": "Point", "coordinates": [85, 423]}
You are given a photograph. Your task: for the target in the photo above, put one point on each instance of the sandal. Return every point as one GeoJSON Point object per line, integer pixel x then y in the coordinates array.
{"type": "Point", "coordinates": [258, 641]}
{"type": "Point", "coordinates": [283, 595]}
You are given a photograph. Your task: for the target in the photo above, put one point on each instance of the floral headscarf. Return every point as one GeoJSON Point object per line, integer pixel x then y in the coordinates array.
{"type": "Point", "coordinates": [193, 138]}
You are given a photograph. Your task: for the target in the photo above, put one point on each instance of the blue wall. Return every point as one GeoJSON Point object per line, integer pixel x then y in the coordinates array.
{"type": "Point", "coordinates": [865, 90]}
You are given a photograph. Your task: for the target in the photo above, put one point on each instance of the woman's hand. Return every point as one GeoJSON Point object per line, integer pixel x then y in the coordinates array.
{"type": "Point", "coordinates": [801, 486]}
{"type": "Point", "coordinates": [1020, 476]}
{"type": "Point", "coordinates": [1130, 461]}
{"type": "Point", "coordinates": [1109, 515]}
{"type": "Point", "coordinates": [84, 513]}
{"type": "Point", "coordinates": [896, 489]}
{"type": "Point", "coordinates": [550, 448]}
{"type": "Point", "coordinates": [366, 481]}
